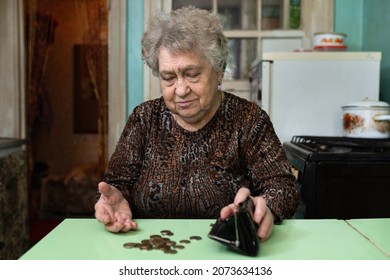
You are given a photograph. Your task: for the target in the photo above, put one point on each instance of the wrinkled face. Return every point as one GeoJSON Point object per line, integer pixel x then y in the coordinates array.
{"type": "Point", "coordinates": [189, 87]}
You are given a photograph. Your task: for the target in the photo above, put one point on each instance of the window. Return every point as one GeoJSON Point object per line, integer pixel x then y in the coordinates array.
{"type": "Point", "coordinates": [252, 26]}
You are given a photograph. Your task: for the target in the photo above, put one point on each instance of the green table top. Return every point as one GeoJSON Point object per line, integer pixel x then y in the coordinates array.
{"type": "Point", "coordinates": [86, 239]}
{"type": "Point", "coordinates": [376, 231]}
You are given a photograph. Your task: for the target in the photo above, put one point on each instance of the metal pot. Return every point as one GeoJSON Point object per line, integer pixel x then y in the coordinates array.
{"type": "Point", "coordinates": [367, 119]}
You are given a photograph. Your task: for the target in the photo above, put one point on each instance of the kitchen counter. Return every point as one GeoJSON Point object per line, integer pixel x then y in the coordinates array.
{"type": "Point", "coordinates": [10, 145]}
{"type": "Point", "coordinates": [86, 239]}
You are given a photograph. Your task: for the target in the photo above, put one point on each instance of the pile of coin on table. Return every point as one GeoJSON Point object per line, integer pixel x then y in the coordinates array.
{"type": "Point", "coordinates": [161, 242]}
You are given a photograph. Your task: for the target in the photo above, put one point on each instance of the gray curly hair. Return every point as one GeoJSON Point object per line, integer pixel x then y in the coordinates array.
{"type": "Point", "coordinates": [186, 29]}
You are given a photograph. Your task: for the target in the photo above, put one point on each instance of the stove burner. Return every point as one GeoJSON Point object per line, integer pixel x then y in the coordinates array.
{"type": "Point", "coordinates": [340, 150]}
{"type": "Point", "coordinates": [326, 144]}
{"type": "Point", "coordinates": [335, 149]}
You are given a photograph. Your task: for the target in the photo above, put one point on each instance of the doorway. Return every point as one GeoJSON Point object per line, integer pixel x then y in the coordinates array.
{"type": "Point", "coordinates": [67, 108]}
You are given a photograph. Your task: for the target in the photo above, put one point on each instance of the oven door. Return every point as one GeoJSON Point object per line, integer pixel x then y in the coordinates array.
{"type": "Point", "coordinates": [347, 190]}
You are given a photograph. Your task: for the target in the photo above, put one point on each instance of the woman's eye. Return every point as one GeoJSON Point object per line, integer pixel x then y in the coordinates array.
{"type": "Point", "coordinates": [168, 79]}
{"type": "Point", "coordinates": [193, 77]}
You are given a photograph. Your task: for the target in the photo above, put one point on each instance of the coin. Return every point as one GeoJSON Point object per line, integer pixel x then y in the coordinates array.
{"type": "Point", "coordinates": [129, 245]}
{"type": "Point", "coordinates": [171, 251]}
{"type": "Point", "coordinates": [171, 243]}
{"type": "Point", "coordinates": [146, 247]}
{"type": "Point", "coordinates": [195, 237]}
{"type": "Point", "coordinates": [164, 247]}
{"type": "Point", "coordinates": [157, 242]}
{"type": "Point", "coordinates": [166, 232]}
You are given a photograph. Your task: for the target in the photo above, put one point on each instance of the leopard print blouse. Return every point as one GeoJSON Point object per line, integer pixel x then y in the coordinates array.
{"type": "Point", "coordinates": [165, 171]}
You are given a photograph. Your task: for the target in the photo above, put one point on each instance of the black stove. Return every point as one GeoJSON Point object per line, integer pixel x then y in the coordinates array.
{"type": "Point", "coordinates": [341, 177]}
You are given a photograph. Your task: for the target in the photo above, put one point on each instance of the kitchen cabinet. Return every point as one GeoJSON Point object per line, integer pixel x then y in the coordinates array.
{"type": "Point", "coordinates": [14, 233]}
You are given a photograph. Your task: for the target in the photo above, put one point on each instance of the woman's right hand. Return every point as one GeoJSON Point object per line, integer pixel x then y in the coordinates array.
{"type": "Point", "coordinates": [113, 210]}
{"type": "Point", "coordinates": [262, 215]}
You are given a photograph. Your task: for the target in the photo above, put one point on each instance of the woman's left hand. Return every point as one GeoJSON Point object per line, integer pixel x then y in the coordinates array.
{"type": "Point", "coordinates": [262, 215]}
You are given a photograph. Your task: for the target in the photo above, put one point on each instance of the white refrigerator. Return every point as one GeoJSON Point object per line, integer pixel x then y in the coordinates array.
{"type": "Point", "coordinates": [303, 92]}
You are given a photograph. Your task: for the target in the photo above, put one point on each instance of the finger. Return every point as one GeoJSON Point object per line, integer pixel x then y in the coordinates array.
{"type": "Point", "coordinates": [266, 226]}
{"type": "Point", "coordinates": [227, 211]}
{"type": "Point", "coordinates": [106, 189]}
{"type": "Point", "coordinates": [241, 196]}
{"type": "Point", "coordinates": [117, 224]}
{"type": "Point", "coordinates": [121, 226]}
{"type": "Point", "coordinates": [125, 219]}
{"type": "Point", "coordinates": [121, 217]}
{"type": "Point", "coordinates": [114, 226]}
{"type": "Point", "coordinates": [129, 225]}
{"type": "Point", "coordinates": [104, 212]}
{"type": "Point", "coordinates": [260, 209]}
{"type": "Point", "coordinates": [103, 216]}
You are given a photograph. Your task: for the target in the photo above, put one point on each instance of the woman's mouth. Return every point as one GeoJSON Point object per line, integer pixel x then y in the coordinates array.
{"type": "Point", "coordinates": [184, 103]}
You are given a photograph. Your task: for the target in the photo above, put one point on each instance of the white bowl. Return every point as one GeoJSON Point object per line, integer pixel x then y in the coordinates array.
{"type": "Point", "coordinates": [329, 39]}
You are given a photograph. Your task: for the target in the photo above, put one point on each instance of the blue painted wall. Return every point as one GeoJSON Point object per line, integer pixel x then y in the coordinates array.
{"type": "Point", "coordinates": [134, 31]}
{"type": "Point", "coordinates": [348, 15]}
{"type": "Point", "coordinates": [367, 25]}
{"type": "Point", "coordinates": [376, 34]}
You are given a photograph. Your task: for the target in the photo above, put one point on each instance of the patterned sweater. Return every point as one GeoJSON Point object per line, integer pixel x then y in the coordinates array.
{"type": "Point", "coordinates": [165, 171]}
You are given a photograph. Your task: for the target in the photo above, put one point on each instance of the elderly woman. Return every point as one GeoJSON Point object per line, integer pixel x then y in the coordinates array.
{"type": "Point", "coordinates": [195, 152]}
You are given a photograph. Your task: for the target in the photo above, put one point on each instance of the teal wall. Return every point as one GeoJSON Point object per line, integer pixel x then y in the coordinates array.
{"type": "Point", "coordinates": [376, 34]}
{"type": "Point", "coordinates": [348, 16]}
{"type": "Point", "coordinates": [135, 72]}
{"type": "Point", "coordinates": [367, 25]}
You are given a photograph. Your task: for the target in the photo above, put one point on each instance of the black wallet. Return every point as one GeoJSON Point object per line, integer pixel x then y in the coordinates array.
{"type": "Point", "coordinates": [238, 232]}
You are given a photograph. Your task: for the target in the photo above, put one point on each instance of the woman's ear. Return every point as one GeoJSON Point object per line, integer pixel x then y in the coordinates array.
{"type": "Point", "coordinates": [219, 76]}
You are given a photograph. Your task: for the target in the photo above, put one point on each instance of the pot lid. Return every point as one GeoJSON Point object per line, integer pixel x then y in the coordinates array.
{"type": "Point", "coordinates": [367, 104]}
{"type": "Point", "coordinates": [330, 33]}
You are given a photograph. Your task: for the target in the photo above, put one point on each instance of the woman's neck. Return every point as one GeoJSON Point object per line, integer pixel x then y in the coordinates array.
{"type": "Point", "coordinates": [197, 124]}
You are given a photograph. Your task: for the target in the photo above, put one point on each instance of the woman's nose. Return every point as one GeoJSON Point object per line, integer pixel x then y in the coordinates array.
{"type": "Point", "coordinates": [181, 88]}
